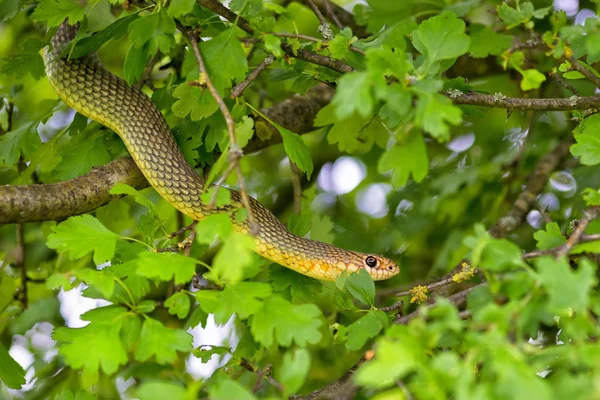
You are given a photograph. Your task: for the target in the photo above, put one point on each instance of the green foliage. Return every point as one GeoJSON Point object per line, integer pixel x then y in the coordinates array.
{"type": "Point", "coordinates": [447, 190]}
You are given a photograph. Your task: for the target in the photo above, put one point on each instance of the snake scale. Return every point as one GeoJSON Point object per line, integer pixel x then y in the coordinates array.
{"type": "Point", "coordinates": [86, 86]}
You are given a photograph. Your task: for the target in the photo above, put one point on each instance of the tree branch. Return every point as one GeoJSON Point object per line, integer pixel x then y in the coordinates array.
{"type": "Point", "coordinates": [301, 54]}
{"type": "Point", "coordinates": [498, 100]}
{"type": "Point", "coordinates": [58, 201]}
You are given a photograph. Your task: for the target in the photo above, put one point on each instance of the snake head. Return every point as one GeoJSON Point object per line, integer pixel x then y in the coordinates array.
{"type": "Point", "coordinates": [379, 267]}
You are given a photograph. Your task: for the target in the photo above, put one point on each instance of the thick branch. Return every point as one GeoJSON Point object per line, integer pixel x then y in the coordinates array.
{"type": "Point", "coordinates": [56, 202]}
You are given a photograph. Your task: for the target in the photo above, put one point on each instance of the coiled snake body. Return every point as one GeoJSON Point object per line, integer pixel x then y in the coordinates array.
{"type": "Point", "coordinates": [86, 86]}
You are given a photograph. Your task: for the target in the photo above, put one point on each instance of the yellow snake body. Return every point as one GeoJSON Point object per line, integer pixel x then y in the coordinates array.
{"type": "Point", "coordinates": [86, 86]}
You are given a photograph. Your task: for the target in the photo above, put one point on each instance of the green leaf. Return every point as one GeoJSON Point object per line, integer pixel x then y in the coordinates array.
{"type": "Point", "coordinates": [179, 304]}
{"type": "Point", "coordinates": [302, 287]}
{"type": "Point", "coordinates": [501, 255]}
{"type": "Point", "coordinates": [521, 15]}
{"type": "Point", "coordinates": [435, 113]}
{"type": "Point", "coordinates": [532, 79]}
{"type": "Point", "coordinates": [142, 29]}
{"type": "Point", "coordinates": [353, 95]}
{"type": "Point", "coordinates": [81, 157]}
{"type": "Point", "coordinates": [11, 373]}
{"type": "Point", "coordinates": [393, 360]}
{"type": "Point", "coordinates": [293, 370]}
{"type": "Point", "coordinates": [27, 60]}
{"type": "Point", "coordinates": [486, 42]}
{"type": "Point", "coordinates": [285, 323]}
{"type": "Point", "coordinates": [405, 159]}
{"type": "Point", "coordinates": [591, 197]}
{"type": "Point", "coordinates": [360, 285]}
{"type": "Point", "coordinates": [163, 343]}
{"type": "Point", "coordinates": [159, 390]}
{"type": "Point", "coordinates": [441, 38]}
{"type": "Point", "coordinates": [179, 8]}
{"type": "Point", "coordinates": [8, 9]}
{"type": "Point", "coordinates": [193, 101]}
{"type": "Point", "coordinates": [166, 266]}
{"type": "Point", "coordinates": [243, 299]}
{"type": "Point", "coordinates": [101, 280]}
{"type": "Point", "coordinates": [294, 146]}
{"type": "Point", "coordinates": [273, 45]}
{"type": "Point", "coordinates": [205, 353]}
{"type": "Point", "coordinates": [135, 63]}
{"type": "Point", "coordinates": [225, 59]}
{"type": "Point", "coordinates": [587, 136]}
{"type": "Point", "coordinates": [365, 328]}
{"type": "Point", "coordinates": [212, 226]}
{"type": "Point", "coordinates": [101, 345]}
{"type": "Point", "coordinates": [90, 44]}
{"type": "Point", "coordinates": [227, 389]}
{"type": "Point", "coordinates": [549, 238]}
{"type": "Point", "coordinates": [81, 235]}
{"type": "Point", "coordinates": [230, 263]}
{"type": "Point", "coordinates": [56, 11]}
{"type": "Point", "coordinates": [21, 141]}
{"type": "Point", "coordinates": [567, 289]}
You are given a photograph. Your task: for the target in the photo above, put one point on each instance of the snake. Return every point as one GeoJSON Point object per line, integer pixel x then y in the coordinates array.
{"type": "Point", "coordinates": [91, 90]}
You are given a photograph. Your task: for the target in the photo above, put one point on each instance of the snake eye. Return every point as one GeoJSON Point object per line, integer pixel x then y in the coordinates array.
{"type": "Point", "coordinates": [371, 261]}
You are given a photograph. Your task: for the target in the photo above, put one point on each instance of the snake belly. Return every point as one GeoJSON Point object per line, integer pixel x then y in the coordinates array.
{"type": "Point", "coordinates": [87, 87]}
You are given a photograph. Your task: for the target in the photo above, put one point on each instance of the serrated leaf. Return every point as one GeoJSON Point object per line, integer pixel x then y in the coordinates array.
{"type": "Point", "coordinates": [101, 345]}
{"type": "Point", "coordinates": [236, 255]}
{"type": "Point", "coordinates": [485, 42]}
{"type": "Point", "coordinates": [441, 38]}
{"type": "Point", "coordinates": [285, 323]}
{"type": "Point", "coordinates": [353, 95]}
{"type": "Point", "coordinates": [302, 287]}
{"type": "Point", "coordinates": [365, 328]}
{"type": "Point", "coordinates": [205, 353]}
{"type": "Point", "coordinates": [243, 299]}
{"type": "Point", "coordinates": [179, 304]}
{"type": "Point", "coordinates": [360, 285]}
{"type": "Point", "coordinates": [532, 79]}
{"type": "Point", "coordinates": [227, 389]}
{"type": "Point", "coordinates": [81, 235]}
{"type": "Point", "coordinates": [566, 288]}
{"type": "Point", "coordinates": [79, 158]}
{"type": "Point", "coordinates": [406, 159]}
{"type": "Point", "coordinates": [56, 11]}
{"type": "Point", "coordinates": [549, 238]}
{"type": "Point", "coordinates": [166, 266]}
{"type": "Point", "coordinates": [27, 60]}
{"type": "Point", "coordinates": [161, 342]}
{"type": "Point", "coordinates": [587, 136]}
{"type": "Point", "coordinates": [11, 373]}
{"type": "Point", "coordinates": [90, 44]}
{"type": "Point", "coordinates": [21, 141]}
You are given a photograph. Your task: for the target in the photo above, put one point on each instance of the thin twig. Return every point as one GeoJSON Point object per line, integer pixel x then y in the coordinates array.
{"type": "Point", "coordinates": [239, 89]}
{"type": "Point", "coordinates": [499, 100]}
{"type": "Point", "coordinates": [588, 215]}
{"type": "Point", "coordinates": [181, 230]}
{"type": "Point", "coordinates": [145, 78]}
{"type": "Point", "coordinates": [396, 306]}
{"type": "Point", "coordinates": [582, 69]}
{"type": "Point", "coordinates": [265, 373]}
{"type": "Point", "coordinates": [300, 54]}
{"type": "Point", "coordinates": [235, 152]}
{"type": "Point", "coordinates": [324, 27]}
{"type": "Point", "coordinates": [564, 83]}
{"type": "Point", "coordinates": [332, 15]}
{"type": "Point", "coordinates": [311, 39]}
